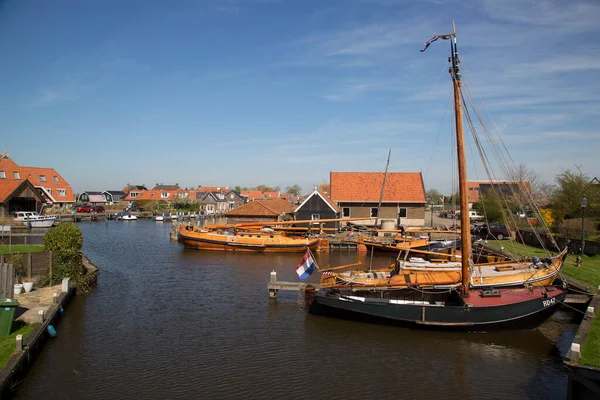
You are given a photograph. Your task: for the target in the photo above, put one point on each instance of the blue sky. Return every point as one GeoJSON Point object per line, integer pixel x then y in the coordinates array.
{"type": "Point", "coordinates": [248, 92]}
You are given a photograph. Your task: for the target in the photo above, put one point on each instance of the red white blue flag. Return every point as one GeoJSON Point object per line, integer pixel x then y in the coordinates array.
{"type": "Point", "coordinates": [433, 39]}
{"type": "Point", "coordinates": [306, 267]}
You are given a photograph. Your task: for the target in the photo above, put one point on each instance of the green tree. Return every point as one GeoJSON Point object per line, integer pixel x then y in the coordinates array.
{"type": "Point", "coordinates": [570, 188]}
{"type": "Point", "coordinates": [433, 196]}
{"type": "Point", "coordinates": [493, 208]}
{"type": "Point", "coordinates": [294, 190]}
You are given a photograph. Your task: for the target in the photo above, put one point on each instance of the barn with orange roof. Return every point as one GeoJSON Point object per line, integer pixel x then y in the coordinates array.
{"type": "Point", "coordinates": [357, 195]}
{"type": "Point", "coordinates": [45, 187]}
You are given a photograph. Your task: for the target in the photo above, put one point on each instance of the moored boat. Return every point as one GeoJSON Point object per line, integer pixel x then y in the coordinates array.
{"type": "Point", "coordinates": [483, 310]}
{"type": "Point", "coordinates": [445, 297]}
{"type": "Point", "coordinates": [34, 220]}
{"type": "Point", "coordinates": [267, 241]}
{"type": "Point", "coordinates": [417, 272]}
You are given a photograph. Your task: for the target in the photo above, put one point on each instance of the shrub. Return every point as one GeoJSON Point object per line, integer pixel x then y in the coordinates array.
{"type": "Point", "coordinates": [16, 259]}
{"type": "Point", "coordinates": [65, 241]}
{"type": "Point", "coordinates": [64, 237]}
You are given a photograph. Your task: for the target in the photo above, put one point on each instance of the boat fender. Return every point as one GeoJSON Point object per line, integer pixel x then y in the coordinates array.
{"type": "Point", "coordinates": [468, 305]}
{"type": "Point", "coordinates": [51, 331]}
{"type": "Point", "coordinates": [61, 311]}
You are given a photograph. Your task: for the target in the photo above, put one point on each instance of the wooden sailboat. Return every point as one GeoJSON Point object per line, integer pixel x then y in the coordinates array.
{"type": "Point", "coordinates": [456, 306]}
{"type": "Point", "coordinates": [250, 237]}
{"type": "Point", "coordinates": [418, 272]}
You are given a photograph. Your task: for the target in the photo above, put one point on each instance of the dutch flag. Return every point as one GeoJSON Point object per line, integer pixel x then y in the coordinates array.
{"type": "Point", "coordinates": [307, 266]}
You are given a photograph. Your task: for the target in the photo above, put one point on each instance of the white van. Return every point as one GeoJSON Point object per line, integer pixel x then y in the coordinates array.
{"type": "Point", "coordinates": [472, 215]}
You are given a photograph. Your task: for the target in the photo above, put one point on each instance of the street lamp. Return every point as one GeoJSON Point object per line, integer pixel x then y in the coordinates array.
{"type": "Point", "coordinates": [583, 203]}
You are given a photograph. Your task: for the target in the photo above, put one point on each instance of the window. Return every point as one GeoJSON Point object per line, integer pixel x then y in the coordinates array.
{"type": "Point", "coordinates": [374, 212]}
{"type": "Point", "coordinates": [61, 192]}
{"type": "Point", "coordinates": [346, 212]}
{"type": "Point", "coordinates": [164, 195]}
{"type": "Point", "coordinates": [49, 191]}
{"type": "Point", "coordinates": [2, 174]}
{"type": "Point", "coordinates": [16, 175]}
{"type": "Point", "coordinates": [402, 212]}
{"type": "Point", "coordinates": [315, 216]}
{"type": "Point", "coordinates": [231, 205]}
{"type": "Point", "coordinates": [43, 178]}
{"type": "Point", "coordinates": [55, 178]}
{"type": "Point", "coordinates": [133, 194]}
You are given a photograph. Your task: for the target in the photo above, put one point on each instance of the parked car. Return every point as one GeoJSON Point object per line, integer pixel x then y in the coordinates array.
{"type": "Point", "coordinates": [84, 208]}
{"type": "Point", "coordinates": [473, 216]}
{"type": "Point", "coordinates": [492, 230]}
{"type": "Point", "coordinates": [98, 209]}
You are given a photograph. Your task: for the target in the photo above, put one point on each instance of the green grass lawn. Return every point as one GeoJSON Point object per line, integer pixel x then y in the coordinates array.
{"type": "Point", "coordinates": [7, 343]}
{"type": "Point", "coordinates": [21, 248]}
{"type": "Point", "coordinates": [588, 273]}
{"type": "Point", "coordinates": [590, 351]}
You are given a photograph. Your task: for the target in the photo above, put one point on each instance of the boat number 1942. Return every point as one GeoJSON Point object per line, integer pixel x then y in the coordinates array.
{"type": "Point", "coordinates": [549, 302]}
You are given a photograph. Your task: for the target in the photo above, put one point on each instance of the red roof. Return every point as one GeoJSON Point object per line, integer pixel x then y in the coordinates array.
{"type": "Point", "coordinates": [262, 208]}
{"type": "Point", "coordinates": [400, 187]}
{"type": "Point", "coordinates": [46, 178]}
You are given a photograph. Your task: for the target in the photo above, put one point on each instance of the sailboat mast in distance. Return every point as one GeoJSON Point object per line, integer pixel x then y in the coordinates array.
{"type": "Point", "coordinates": [465, 232]}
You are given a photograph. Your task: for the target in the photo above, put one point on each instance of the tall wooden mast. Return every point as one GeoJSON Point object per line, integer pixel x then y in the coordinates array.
{"type": "Point", "coordinates": [465, 228]}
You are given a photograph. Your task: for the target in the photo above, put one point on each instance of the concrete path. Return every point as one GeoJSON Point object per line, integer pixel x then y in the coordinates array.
{"type": "Point", "coordinates": [31, 303]}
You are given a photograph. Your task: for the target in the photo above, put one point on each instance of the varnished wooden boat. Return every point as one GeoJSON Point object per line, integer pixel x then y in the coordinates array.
{"type": "Point", "coordinates": [417, 272]}
{"type": "Point", "coordinates": [247, 241]}
{"type": "Point", "coordinates": [406, 243]}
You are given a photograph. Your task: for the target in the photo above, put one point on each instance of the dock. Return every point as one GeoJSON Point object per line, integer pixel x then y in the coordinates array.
{"type": "Point", "coordinates": [27, 349]}
{"type": "Point", "coordinates": [275, 286]}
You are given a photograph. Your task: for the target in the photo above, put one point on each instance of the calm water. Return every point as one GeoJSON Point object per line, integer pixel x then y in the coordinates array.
{"type": "Point", "coordinates": [168, 323]}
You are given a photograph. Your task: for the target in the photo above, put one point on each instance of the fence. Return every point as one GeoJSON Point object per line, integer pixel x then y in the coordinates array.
{"type": "Point", "coordinates": [592, 247]}
{"type": "Point", "coordinates": [7, 280]}
{"type": "Point", "coordinates": [37, 266]}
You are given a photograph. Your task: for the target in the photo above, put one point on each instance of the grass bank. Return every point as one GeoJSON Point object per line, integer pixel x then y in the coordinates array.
{"type": "Point", "coordinates": [21, 248]}
{"type": "Point", "coordinates": [8, 343]}
{"type": "Point", "coordinates": [588, 273]}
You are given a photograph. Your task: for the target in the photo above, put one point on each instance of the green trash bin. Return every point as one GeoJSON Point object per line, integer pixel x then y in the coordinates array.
{"type": "Point", "coordinates": [7, 315]}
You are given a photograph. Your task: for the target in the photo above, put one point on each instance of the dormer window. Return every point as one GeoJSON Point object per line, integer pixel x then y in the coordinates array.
{"type": "Point", "coordinates": [55, 178]}
{"type": "Point", "coordinates": [164, 195]}
{"type": "Point", "coordinates": [16, 175]}
{"type": "Point", "coordinates": [133, 194]}
{"type": "Point", "coordinates": [43, 178]}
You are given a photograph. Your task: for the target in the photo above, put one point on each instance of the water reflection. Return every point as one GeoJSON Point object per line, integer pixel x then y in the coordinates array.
{"type": "Point", "coordinates": [169, 322]}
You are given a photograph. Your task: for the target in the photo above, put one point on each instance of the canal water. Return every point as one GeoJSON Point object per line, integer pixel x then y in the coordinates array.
{"type": "Point", "coordinates": [169, 323]}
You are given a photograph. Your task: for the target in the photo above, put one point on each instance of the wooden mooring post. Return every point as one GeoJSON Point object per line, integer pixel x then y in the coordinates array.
{"type": "Point", "coordinates": [275, 286]}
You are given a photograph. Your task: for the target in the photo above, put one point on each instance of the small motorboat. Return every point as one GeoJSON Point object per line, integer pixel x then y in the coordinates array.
{"type": "Point", "coordinates": [128, 217]}
{"type": "Point", "coordinates": [34, 220]}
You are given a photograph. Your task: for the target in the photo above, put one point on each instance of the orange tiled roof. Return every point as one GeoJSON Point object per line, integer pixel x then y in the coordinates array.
{"type": "Point", "coordinates": [400, 187]}
{"type": "Point", "coordinates": [219, 189]}
{"type": "Point", "coordinates": [252, 194]}
{"type": "Point", "coordinates": [261, 208]}
{"type": "Point", "coordinates": [46, 178]}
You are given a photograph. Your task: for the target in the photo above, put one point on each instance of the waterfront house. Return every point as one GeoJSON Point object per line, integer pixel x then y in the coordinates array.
{"type": "Point", "coordinates": [261, 210]}
{"type": "Point", "coordinates": [50, 187]}
{"type": "Point", "coordinates": [212, 202]}
{"type": "Point", "coordinates": [318, 206]}
{"type": "Point", "coordinates": [234, 199]}
{"type": "Point", "coordinates": [114, 196]}
{"type": "Point", "coordinates": [357, 195]}
{"type": "Point", "coordinates": [94, 198]}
